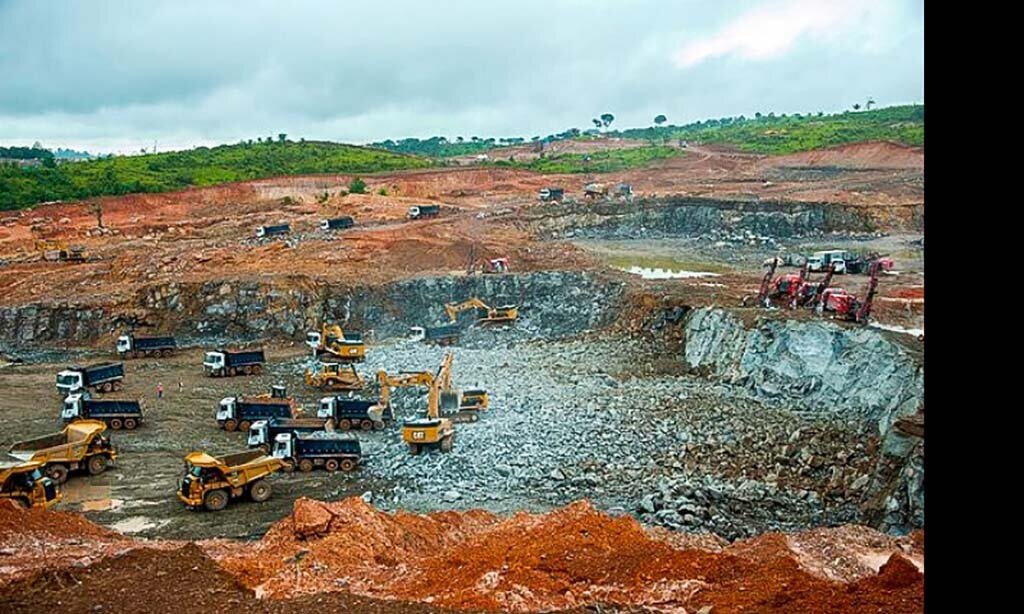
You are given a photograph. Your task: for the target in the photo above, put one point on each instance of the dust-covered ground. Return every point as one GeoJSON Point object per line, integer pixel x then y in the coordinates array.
{"type": "Point", "coordinates": [597, 417]}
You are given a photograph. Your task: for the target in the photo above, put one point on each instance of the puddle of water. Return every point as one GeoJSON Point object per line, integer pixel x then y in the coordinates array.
{"type": "Point", "coordinates": [917, 332]}
{"type": "Point", "coordinates": [93, 495]}
{"type": "Point", "coordinates": [137, 524]}
{"type": "Point", "coordinates": [650, 273]}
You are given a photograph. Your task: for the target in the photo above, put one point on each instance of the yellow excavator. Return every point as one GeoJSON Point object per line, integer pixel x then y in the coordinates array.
{"type": "Point", "coordinates": [430, 431]}
{"type": "Point", "coordinates": [470, 402]}
{"type": "Point", "coordinates": [330, 376]}
{"type": "Point", "coordinates": [495, 315]}
{"type": "Point", "coordinates": [334, 343]}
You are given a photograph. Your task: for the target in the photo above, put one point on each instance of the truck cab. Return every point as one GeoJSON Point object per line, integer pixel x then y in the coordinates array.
{"type": "Point", "coordinates": [227, 409]}
{"type": "Point", "coordinates": [213, 361]}
{"type": "Point", "coordinates": [258, 433]}
{"type": "Point", "coordinates": [124, 344]}
{"type": "Point", "coordinates": [284, 446]}
{"type": "Point", "coordinates": [69, 381]}
{"type": "Point", "coordinates": [73, 406]}
{"type": "Point", "coordinates": [313, 339]}
{"type": "Point", "coordinates": [326, 409]}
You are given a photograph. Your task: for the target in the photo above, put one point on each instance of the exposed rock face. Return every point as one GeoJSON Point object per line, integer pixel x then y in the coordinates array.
{"type": "Point", "coordinates": [897, 484]}
{"type": "Point", "coordinates": [551, 304]}
{"type": "Point", "coordinates": [689, 216]}
{"type": "Point", "coordinates": [816, 366]}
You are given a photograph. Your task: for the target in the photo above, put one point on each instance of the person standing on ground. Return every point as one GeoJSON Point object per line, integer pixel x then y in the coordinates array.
{"type": "Point", "coordinates": [160, 390]}
{"type": "Point", "coordinates": [181, 385]}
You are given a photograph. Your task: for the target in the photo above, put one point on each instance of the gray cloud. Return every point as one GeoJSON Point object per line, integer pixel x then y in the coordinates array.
{"type": "Point", "coordinates": [118, 75]}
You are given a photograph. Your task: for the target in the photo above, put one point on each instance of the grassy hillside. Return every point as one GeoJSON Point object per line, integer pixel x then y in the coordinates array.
{"type": "Point", "coordinates": [21, 187]}
{"type": "Point", "coordinates": [606, 161]}
{"type": "Point", "coordinates": [772, 134]}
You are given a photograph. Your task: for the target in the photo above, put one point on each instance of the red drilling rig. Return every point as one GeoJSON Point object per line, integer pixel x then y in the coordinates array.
{"type": "Point", "coordinates": [848, 307]}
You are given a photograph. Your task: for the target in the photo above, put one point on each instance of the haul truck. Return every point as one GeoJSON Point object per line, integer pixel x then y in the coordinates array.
{"type": "Point", "coordinates": [422, 211]}
{"type": "Point", "coordinates": [24, 483]}
{"type": "Point", "coordinates": [211, 482]}
{"type": "Point", "coordinates": [100, 377]}
{"type": "Point", "coordinates": [240, 412]}
{"type": "Point", "coordinates": [115, 413]}
{"type": "Point", "coordinates": [346, 414]}
{"type": "Point", "coordinates": [263, 432]}
{"type": "Point", "coordinates": [220, 363]}
{"type": "Point", "coordinates": [337, 223]}
{"type": "Point", "coordinates": [270, 231]}
{"type": "Point", "coordinates": [304, 451]}
{"type": "Point", "coordinates": [79, 445]}
{"type": "Point", "coordinates": [130, 346]}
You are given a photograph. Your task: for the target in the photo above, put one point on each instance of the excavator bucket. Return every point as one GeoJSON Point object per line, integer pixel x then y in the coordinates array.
{"type": "Point", "coordinates": [449, 402]}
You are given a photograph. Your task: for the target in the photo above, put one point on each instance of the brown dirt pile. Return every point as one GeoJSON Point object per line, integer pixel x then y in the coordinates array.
{"type": "Point", "coordinates": [568, 558]}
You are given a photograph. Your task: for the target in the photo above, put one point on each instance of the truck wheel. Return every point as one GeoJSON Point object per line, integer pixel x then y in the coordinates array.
{"type": "Point", "coordinates": [348, 464]}
{"type": "Point", "coordinates": [107, 387]}
{"type": "Point", "coordinates": [115, 424]}
{"type": "Point", "coordinates": [230, 426]}
{"type": "Point", "coordinates": [366, 425]}
{"type": "Point", "coordinates": [447, 443]}
{"type": "Point", "coordinates": [414, 449]}
{"type": "Point", "coordinates": [331, 465]}
{"type": "Point", "coordinates": [289, 465]}
{"type": "Point", "coordinates": [345, 424]}
{"type": "Point", "coordinates": [247, 369]}
{"type": "Point", "coordinates": [257, 369]}
{"type": "Point", "coordinates": [97, 464]}
{"type": "Point", "coordinates": [216, 500]}
{"type": "Point", "coordinates": [130, 424]}
{"type": "Point", "coordinates": [166, 353]}
{"type": "Point", "coordinates": [378, 425]}
{"type": "Point", "coordinates": [116, 386]}
{"type": "Point", "coordinates": [58, 473]}
{"type": "Point", "coordinates": [244, 426]}
{"type": "Point", "coordinates": [232, 371]}
{"type": "Point", "coordinates": [305, 465]}
{"type": "Point", "coordinates": [259, 491]}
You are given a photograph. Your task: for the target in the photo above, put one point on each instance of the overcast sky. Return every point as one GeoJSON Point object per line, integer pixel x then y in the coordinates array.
{"type": "Point", "coordinates": [115, 76]}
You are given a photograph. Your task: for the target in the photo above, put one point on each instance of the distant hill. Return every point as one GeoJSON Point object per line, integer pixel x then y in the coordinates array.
{"type": "Point", "coordinates": [770, 134]}
{"type": "Point", "coordinates": [22, 186]}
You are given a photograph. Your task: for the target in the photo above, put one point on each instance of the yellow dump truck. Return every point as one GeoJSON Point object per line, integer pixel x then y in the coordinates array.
{"type": "Point", "coordinates": [24, 483]}
{"type": "Point", "coordinates": [81, 445]}
{"type": "Point", "coordinates": [211, 482]}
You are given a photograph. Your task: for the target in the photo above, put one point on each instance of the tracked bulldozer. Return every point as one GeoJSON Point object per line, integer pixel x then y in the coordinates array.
{"type": "Point", "coordinates": [331, 376]}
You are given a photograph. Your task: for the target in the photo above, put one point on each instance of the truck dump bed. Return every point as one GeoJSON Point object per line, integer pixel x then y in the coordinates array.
{"type": "Point", "coordinates": [50, 445]}
{"type": "Point", "coordinates": [240, 458]}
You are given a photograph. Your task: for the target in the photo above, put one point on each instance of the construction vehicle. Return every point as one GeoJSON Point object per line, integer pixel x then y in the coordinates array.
{"type": "Point", "coordinates": [495, 266]}
{"type": "Point", "coordinates": [130, 346]}
{"type": "Point", "coordinates": [848, 307]}
{"type": "Point", "coordinates": [861, 263]}
{"type": "Point", "coordinates": [334, 342]}
{"type": "Point", "coordinates": [59, 251]}
{"type": "Point", "coordinates": [304, 451]}
{"type": "Point", "coordinates": [347, 414]}
{"type": "Point", "coordinates": [24, 484]}
{"type": "Point", "coordinates": [624, 191]}
{"type": "Point", "coordinates": [549, 194]}
{"type": "Point", "coordinates": [821, 261]}
{"type": "Point", "coordinates": [220, 363]}
{"type": "Point", "coordinates": [80, 445]}
{"type": "Point", "coordinates": [100, 377]}
{"type": "Point", "coordinates": [240, 412]}
{"type": "Point", "coordinates": [440, 335]}
{"type": "Point", "coordinates": [274, 230]}
{"type": "Point", "coordinates": [421, 211]}
{"type": "Point", "coordinates": [211, 482]}
{"type": "Point", "coordinates": [488, 314]}
{"type": "Point", "coordinates": [115, 413]}
{"type": "Point", "coordinates": [460, 407]}
{"type": "Point", "coordinates": [263, 432]}
{"type": "Point", "coordinates": [595, 190]}
{"type": "Point", "coordinates": [430, 431]}
{"type": "Point", "coordinates": [337, 223]}
{"type": "Point", "coordinates": [333, 376]}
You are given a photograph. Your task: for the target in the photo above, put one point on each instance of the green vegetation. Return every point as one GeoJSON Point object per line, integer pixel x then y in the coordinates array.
{"type": "Point", "coordinates": [357, 186]}
{"type": "Point", "coordinates": [25, 186]}
{"type": "Point", "coordinates": [771, 134]}
{"type": "Point", "coordinates": [605, 161]}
